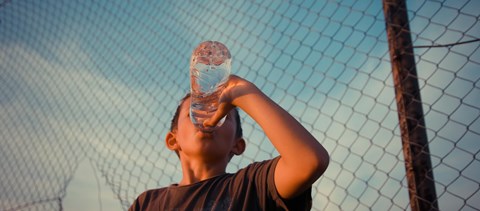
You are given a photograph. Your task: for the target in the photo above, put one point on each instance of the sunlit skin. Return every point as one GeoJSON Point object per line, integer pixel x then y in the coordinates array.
{"type": "Point", "coordinates": [204, 155]}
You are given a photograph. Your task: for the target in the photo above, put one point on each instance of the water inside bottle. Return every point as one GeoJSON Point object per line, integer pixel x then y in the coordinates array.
{"type": "Point", "coordinates": [210, 66]}
{"type": "Point", "coordinates": [207, 78]}
{"type": "Point", "coordinates": [203, 107]}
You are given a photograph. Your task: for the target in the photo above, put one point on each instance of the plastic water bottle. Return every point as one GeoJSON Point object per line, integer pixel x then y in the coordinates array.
{"type": "Point", "coordinates": [210, 66]}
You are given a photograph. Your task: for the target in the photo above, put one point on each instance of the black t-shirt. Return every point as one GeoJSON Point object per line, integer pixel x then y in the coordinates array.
{"type": "Point", "coordinates": [251, 188]}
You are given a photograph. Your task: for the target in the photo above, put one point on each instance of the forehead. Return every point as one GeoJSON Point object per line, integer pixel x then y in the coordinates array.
{"type": "Point", "coordinates": [185, 105]}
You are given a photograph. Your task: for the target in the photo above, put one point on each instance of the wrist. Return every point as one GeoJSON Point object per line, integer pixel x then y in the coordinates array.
{"type": "Point", "coordinates": [250, 100]}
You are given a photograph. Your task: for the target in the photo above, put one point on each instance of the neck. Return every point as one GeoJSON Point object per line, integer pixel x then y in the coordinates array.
{"type": "Point", "coordinates": [195, 171]}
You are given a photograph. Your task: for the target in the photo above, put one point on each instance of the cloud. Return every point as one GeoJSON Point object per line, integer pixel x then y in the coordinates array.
{"type": "Point", "coordinates": [56, 111]}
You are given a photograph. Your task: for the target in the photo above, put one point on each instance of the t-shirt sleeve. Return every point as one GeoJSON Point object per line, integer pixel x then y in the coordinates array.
{"type": "Point", "coordinates": [262, 174]}
{"type": "Point", "coordinates": [136, 205]}
{"type": "Point", "coordinates": [144, 201]}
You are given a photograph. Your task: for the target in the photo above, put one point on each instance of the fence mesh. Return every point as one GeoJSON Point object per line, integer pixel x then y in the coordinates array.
{"type": "Point", "coordinates": [99, 81]}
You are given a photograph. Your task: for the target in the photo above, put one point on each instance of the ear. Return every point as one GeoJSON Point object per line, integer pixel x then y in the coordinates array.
{"type": "Point", "coordinates": [171, 141]}
{"type": "Point", "coordinates": [239, 146]}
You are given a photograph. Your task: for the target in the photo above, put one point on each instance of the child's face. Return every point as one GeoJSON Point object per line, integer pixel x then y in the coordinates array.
{"type": "Point", "coordinates": [193, 142]}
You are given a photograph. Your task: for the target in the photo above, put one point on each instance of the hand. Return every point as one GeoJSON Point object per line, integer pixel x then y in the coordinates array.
{"type": "Point", "coordinates": [231, 97]}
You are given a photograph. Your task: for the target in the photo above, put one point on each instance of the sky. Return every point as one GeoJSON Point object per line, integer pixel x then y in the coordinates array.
{"type": "Point", "coordinates": [87, 90]}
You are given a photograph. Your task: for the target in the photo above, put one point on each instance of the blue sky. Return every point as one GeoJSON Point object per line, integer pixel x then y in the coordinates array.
{"type": "Point", "coordinates": [88, 88]}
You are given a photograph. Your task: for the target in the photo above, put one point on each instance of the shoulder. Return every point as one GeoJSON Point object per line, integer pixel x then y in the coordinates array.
{"type": "Point", "coordinates": [258, 172]}
{"type": "Point", "coordinates": [256, 181]}
{"type": "Point", "coordinates": [265, 166]}
{"type": "Point", "coordinates": [260, 175]}
{"type": "Point", "coordinates": [148, 194]}
{"type": "Point", "coordinates": [144, 199]}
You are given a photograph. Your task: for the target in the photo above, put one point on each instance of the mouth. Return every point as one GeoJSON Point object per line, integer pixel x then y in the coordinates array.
{"type": "Point", "coordinates": [205, 134]}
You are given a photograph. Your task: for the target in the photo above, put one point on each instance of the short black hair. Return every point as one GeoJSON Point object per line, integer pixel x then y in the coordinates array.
{"type": "Point", "coordinates": [174, 122]}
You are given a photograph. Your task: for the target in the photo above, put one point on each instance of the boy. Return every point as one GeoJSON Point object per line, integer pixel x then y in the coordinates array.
{"type": "Point", "coordinates": [283, 183]}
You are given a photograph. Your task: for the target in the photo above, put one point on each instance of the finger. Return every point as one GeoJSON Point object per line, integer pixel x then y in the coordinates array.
{"type": "Point", "coordinates": [222, 111]}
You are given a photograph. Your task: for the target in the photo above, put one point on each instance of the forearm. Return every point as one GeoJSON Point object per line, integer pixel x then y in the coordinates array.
{"type": "Point", "coordinates": [289, 137]}
{"type": "Point", "coordinates": [303, 158]}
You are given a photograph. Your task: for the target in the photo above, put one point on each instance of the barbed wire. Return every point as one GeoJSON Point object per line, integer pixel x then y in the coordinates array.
{"type": "Point", "coordinates": [447, 45]}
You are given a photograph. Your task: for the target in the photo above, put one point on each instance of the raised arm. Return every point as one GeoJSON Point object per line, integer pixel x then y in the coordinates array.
{"type": "Point", "coordinates": [303, 159]}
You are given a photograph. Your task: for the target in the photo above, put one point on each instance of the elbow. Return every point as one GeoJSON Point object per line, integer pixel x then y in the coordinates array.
{"type": "Point", "coordinates": [320, 164]}
{"type": "Point", "coordinates": [297, 175]}
{"type": "Point", "coordinates": [324, 164]}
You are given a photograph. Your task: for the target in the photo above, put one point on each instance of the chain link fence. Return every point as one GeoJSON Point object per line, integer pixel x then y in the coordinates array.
{"type": "Point", "coordinates": [98, 81]}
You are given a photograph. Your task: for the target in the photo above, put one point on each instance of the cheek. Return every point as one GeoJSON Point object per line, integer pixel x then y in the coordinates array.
{"type": "Point", "coordinates": [185, 127]}
{"type": "Point", "coordinates": [228, 129]}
